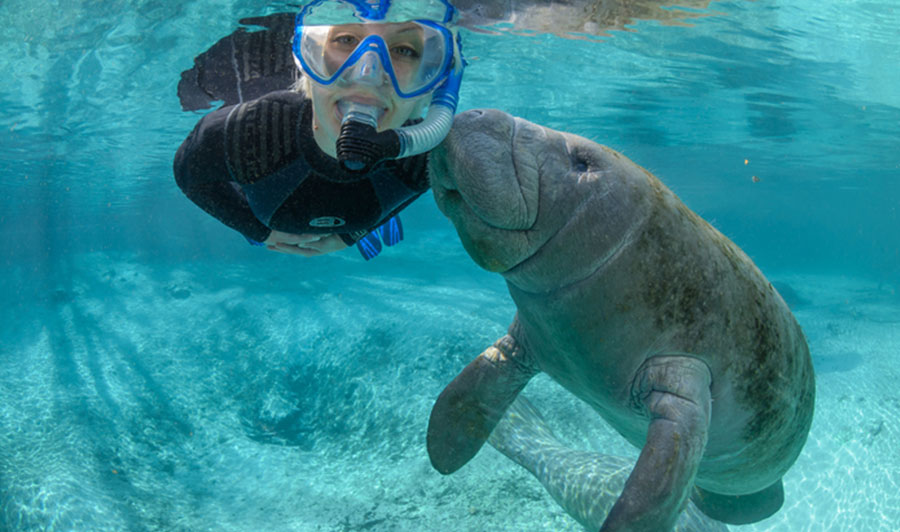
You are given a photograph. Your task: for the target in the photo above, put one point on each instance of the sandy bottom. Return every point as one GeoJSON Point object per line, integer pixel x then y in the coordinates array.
{"type": "Point", "coordinates": [294, 395]}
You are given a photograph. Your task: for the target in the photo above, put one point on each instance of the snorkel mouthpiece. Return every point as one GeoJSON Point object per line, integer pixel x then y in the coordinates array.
{"type": "Point", "coordinates": [359, 146]}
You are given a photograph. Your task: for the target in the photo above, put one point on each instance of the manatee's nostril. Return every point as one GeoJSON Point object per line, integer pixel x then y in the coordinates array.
{"type": "Point", "coordinates": [477, 112]}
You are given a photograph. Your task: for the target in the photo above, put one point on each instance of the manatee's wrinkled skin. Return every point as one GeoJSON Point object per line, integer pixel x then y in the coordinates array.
{"type": "Point", "coordinates": [635, 305]}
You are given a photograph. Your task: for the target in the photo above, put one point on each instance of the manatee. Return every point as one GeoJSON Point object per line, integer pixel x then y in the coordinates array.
{"type": "Point", "coordinates": [635, 305]}
{"type": "Point", "coordinates": [584, 483]}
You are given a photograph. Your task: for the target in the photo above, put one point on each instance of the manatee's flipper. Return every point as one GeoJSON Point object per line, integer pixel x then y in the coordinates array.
{"type": "Point", "coordinates": [471, 405]}
{"type": "Point", "coordinates": [740, 509]}
{"type": "Point", "coordinates": [243, 65]}
{"type": "Point", "coordinates": [675, 393]}
{"type": "Point", "coordinates": [585, 484]}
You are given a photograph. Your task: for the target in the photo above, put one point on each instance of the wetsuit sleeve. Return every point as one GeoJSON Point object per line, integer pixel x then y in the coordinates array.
{"type": "Point", "coordinates": [202, 173]}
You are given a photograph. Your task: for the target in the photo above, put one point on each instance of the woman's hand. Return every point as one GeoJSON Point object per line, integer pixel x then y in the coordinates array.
{"type": "Point", "coordinates": [305, 244]}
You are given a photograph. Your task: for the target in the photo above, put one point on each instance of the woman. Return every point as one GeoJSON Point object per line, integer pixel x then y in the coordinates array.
{"type": "Point", "coordinates": [330, 163]}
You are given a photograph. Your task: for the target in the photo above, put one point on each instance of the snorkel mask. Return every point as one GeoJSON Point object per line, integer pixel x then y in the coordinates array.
{"type": "Point", "coordinates": [406, 43]}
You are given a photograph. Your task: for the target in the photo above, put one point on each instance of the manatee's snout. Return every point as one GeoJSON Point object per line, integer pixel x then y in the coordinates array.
{"type": "Point", "coordinates": [485, 180]}
{"type": "Point", "coordinates": [478, 163]}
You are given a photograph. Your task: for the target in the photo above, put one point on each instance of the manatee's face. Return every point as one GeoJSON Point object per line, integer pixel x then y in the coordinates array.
{"type": "Point", "coordinates": [510, 186]}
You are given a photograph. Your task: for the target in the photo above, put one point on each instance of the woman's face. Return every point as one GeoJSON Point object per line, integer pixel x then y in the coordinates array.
{"type": "Point", "coordinates": [367, 82]}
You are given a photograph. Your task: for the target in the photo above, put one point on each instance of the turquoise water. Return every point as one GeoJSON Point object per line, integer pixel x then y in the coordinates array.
{"type": "Point", "coordinates": [156, 373]}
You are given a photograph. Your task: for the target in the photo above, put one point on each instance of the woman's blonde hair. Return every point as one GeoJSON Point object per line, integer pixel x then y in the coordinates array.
{"type": "Point", "coordinates": [302, 85]}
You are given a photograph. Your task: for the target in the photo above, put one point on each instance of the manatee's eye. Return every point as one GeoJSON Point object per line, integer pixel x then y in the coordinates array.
{"type": "Point", "coordinates": [580, 163]}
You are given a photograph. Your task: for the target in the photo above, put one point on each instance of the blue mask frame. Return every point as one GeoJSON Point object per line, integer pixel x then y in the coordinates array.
{"type": "Point", "coordinates": [376, 43]}
{"type": "Point", "coordinates": [378, 10]}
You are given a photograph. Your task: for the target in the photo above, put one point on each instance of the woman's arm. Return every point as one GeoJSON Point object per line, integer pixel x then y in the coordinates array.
{"type": "Point", "coordinates": [202, 174]}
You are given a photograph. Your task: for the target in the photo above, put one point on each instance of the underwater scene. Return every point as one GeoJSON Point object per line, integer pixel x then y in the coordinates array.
{"type": "Point", "coordinates": [159, 373]}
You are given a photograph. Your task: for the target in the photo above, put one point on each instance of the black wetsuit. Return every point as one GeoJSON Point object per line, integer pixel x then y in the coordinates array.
{"type": "Point", "coordinates": [256, 167]}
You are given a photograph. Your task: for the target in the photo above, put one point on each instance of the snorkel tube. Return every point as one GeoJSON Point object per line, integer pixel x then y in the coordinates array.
{"type": "Point", "coordinates": [360, 147]}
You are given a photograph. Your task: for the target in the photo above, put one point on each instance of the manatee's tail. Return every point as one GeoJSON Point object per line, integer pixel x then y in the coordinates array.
{"type": "Point", "coordinates": [521, 432]}
{"type": "Point", "coordinates": [585, 484]}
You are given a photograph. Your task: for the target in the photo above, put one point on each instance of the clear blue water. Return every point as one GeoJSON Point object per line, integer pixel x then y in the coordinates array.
{"type": "Point", "coordinates": [156, 373]}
